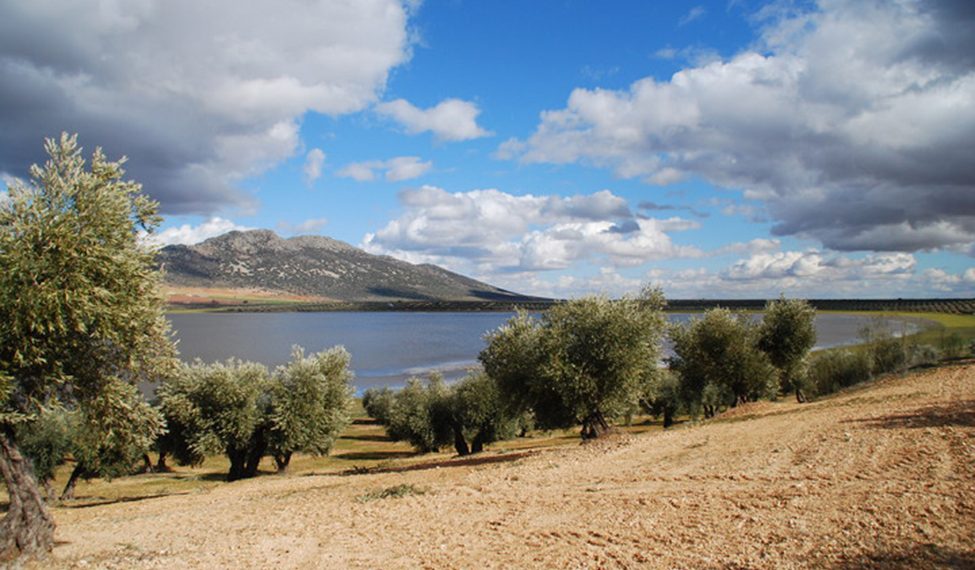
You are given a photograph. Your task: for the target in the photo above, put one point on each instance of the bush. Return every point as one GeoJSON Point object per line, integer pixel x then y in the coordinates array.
{"type": "Point", "coordinates": [418, 414]}
{"type": "Point", "coordinates": [953, 346]}
{"type": "Point", "coordinates": [378, 403]}
{"type": "Point", "coordinates": [836, 369]}
{"type": "Point", "coordinates": [924, 355]}
{"type": "Point", "coordinates": [239, 409]}
{"type": "Point", "coordinates": [786, 336]}
{"type": "Point", "coordinates": [720, 353]}
{"type": "Point", "coordinates": [889, 355]}
{"type": "Point", "coordinates": [584, 362]}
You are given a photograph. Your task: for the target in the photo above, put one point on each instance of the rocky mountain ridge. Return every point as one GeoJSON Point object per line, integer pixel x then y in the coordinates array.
{"type": "Point", "coordinates": [316, 266]}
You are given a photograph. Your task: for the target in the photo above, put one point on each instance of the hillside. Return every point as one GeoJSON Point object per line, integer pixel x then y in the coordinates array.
{"type": "Point", "coordinates": [317, 268]}
{"type": "Point", "coordinates": [876, 477]}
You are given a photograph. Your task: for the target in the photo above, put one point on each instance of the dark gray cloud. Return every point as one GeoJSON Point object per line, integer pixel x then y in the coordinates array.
{"type": "Point", "coordinates": [655, 207]}
{"type": "Point", "coordinates": [197, 95]}
{"type": "Point", "coordinates": [854, 124]}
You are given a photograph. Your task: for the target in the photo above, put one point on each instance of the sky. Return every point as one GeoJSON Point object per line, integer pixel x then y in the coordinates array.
{"type": "Point", "coordinates": [725, 149]}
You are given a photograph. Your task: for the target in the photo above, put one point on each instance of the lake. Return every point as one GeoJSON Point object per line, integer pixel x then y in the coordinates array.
{"type": "Point", "coordinates": [386, 347]}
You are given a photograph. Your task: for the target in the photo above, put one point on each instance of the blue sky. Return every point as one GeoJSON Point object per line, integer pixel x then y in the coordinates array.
{"type": "Point", "coordinates": [717, 149]}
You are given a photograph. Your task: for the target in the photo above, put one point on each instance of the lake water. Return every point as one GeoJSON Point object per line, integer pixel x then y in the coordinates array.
{"type": "Point", "coordinates": [386, 348]}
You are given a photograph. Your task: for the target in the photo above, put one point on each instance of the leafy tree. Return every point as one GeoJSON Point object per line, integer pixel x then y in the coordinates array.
{"type": "Point", "coordinates": [80, 311]}
{"type": "Point", "coordinates": [719, 363]}
{"type": "Point", "coordinates": [111, 434]}
{"type": "Point", "coordinates": [221, 408]}
{"type": "Point", "coordinates": [46, 442]}
{"type": "Point", "coordinates": [420, 414]}
{"type": "Point", "coordinates": [513, 358]}
{"type": "Point", "coordinates": [585, 361]}
{"type": "Point", "coordinates": [378, 403]}
{"type": "Point", "coordinates": [477, 415]}
{"type": "Point", "coordinates": [786, 335]}
{"type": "Point", "coordinates": [888, 352]}
{"type": "Point", "coordinates": [832, 370]}
{"type": "Point", "coordinates": [310, 399]}
{"type": "Point", "coordinates": [662, 397]}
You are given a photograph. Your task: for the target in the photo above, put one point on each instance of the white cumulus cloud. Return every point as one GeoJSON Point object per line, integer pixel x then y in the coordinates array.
{"type": "Point", "coordinates": [313, 165]}
{"type": "Point", "coordinates": [187, 234]}
{"type": "Point", "coordinates": [449, 120]}
{"type": "Point", "coordinates": [490, 231]}
{"type": "Point", "coordinates": [197, 94]}
{"type": "Point", "coordinates": [393, 170]}
{"type": "Point", "coordinates": [852, 122]}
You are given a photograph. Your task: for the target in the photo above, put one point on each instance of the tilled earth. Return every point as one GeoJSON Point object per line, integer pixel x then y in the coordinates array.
{"type": "Point", "coordinates": [881, 476]}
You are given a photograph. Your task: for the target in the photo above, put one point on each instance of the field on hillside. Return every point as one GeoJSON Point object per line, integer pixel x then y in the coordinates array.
{"type": "Point", "coordinates": [878, 476]}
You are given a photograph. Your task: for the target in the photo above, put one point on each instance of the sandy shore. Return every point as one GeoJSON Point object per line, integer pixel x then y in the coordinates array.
{"type": "Point", "coordinates": [882, 476]}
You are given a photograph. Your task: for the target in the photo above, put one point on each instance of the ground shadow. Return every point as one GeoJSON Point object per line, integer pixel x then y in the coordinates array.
{"type": "Point", "coordinates": [382, 438]}
{"type": "Point", "coordinates": [88, 502]}
{"type": "Point", "coordinates": [959, 414]}
{"type": "Point", "coordinates": [459, 462]}
{"type": "Point", "coordinates": [374, 455]}
{"type": "Point", "coordinates": [921, 556]}
{"type": "Point", "coordinates": [366, 422]}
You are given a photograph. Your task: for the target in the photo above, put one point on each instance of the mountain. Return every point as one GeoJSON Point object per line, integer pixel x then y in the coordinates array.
{"type": "Point", "coordinates": [316, 266]}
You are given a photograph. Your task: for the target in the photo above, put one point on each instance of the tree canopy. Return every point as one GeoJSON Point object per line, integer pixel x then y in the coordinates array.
{"type": "Point", "coordinates": [583, 362]}
{"type": "Point", "coordinates": [80, 310]}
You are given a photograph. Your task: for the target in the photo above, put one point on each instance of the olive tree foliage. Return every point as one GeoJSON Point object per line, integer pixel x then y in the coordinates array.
{"type": "Point", "coordinates": [418, 413]}
{"type": "Point", "coordinates": [477, 414]}
{"type": "Point", "coordinates": [584, 361]}
{"type": "Point", "coordinates": [241, 410]}
{"type": "Point", "coordinates": [310, 401]}
{"type": "Point", "coordinates": [719, 363]}
{"type": "Point", "coordinates": [786, 336]}
{"type": "Point", "coordinates": [378, 402]}
{"type": "Point", "coordinates": [468, 415]}
{"type": "Point", "coordinates": [661, 397]}
{"type": "Point", "coordinates": [219, 408]}
{"type": "Point", "coordinates": [111, 434]}
{"type": "Point", "coordinates": [80, 312]}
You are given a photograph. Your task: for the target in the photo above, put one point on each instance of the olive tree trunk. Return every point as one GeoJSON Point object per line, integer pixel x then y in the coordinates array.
{"type": "Point", "coordinates": [594, 426]}
{"type": "Point", "coordinates": [282, 460]}
{"type": "Point", "coordinates": [27, 531]}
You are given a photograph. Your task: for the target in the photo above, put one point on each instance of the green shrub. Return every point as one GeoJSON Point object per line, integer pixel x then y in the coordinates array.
{"type": "Point", "coordinates": [924, 355]}
{"type": "Point", "coordinates": [953, 346]}
{"type": "Point", "coordinates": [378, 403]}
{"type": "Point", "coordinates": [836, 369]}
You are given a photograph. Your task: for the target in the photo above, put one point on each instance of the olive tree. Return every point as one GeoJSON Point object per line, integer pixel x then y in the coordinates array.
{"type": "Point", "coordinates": [786, 336]}
{"type": "Point", "coordinates": [585, 361]}
{"type": "Point", "coordinates": [111, 434]}
{"type": "Point", "coordinates": [719, 363]}
{"type": "Point", "coordinates": [419, 414]}
{"type": "Point", "coordinates": [477, 414]}
{"type": "Point", "coordinates": [221, 408]}
{"type": "Point", "coordinates": [80, 311]}
{"type": "Point", "coordinates": [378, 402]}
{"type": "Point", "coordinates": [310, 400]}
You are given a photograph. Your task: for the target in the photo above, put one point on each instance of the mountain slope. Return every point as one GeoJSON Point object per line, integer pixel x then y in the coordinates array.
{"type": "Point", "coordinates": [316, 266]}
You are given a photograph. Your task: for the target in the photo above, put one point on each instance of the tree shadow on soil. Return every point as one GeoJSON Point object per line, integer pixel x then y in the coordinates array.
{"type": "Point", "coordinates": [459, 462]}
{"type": "Point", "coordinates": [374, 455]}
{"type": "Point", "coordinates": [958, 414]}
{"type": "Point", "coordinates": [88, 502]}
{"type": "Point", "coordinates": [921, 556]}
{"type": "Point", "coordinates": [382, 438]}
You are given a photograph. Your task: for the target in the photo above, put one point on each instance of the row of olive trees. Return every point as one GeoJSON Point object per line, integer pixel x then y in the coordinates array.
{"type": "Point", "coordinates": [241, 410]}
{"type": "Point", "coordinates": [725, 359]}
{"type": "Point", "coordinates": [468, 415]}
{"type": "Point", "coordinates": [233, 408]}
{"type": "Point", "coordinates": [583, 362]}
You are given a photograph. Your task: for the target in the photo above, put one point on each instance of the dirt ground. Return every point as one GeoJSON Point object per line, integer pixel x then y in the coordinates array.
{"type": "Point", "coordinates": [881, 476]}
